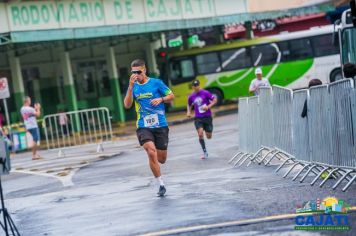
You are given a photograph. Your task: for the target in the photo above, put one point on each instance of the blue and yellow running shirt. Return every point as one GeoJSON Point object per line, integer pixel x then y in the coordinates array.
{"type": "Point", "coordinates": [149, 116]}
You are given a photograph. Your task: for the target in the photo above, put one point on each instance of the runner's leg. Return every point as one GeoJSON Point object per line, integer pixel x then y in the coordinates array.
{"type": "Point", "coordinates": [161, 156]}
{"type": "Point", "coordinates": [152, 158]}
{"type": "Point", "coordinates": [208, 127]}
{"type": "Point", "coordinates": [154, 165]}
{"type": "Point", "coordinates": [201, 138]}
{"type": "Point", "coordinates": [161, 143]}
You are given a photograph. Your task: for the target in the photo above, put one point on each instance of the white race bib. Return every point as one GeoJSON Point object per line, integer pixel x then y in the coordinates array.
{"type": "Point", "coordinates": [151, 120]}
{"type": "Point", "coordinates": [201, 110]}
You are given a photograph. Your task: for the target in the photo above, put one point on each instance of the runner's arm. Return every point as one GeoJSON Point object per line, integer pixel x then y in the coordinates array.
{"type": "Point", "coordinates": [168, 98]}
{"type": "Point", "coordinates": [212, 103]}
{"type": "Point", "coordinates": [189, 110]}
{"type": "Point", "coordinates": [129, 97]}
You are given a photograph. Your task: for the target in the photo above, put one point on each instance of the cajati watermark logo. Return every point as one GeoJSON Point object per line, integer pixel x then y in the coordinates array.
{"type": "Point", "coordinates": [327, 214]}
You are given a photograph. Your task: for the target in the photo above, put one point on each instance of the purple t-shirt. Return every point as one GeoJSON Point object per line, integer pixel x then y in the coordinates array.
{"type": "Point", "coordinates": [199, 100]}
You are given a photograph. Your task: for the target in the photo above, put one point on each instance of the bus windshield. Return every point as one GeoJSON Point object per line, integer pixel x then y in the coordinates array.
{"type": "Point", "coordinates": [349, 45]}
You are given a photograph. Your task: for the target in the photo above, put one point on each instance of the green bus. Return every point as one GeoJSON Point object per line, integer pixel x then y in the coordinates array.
{"type": "Point", "coordinates": [287, 59]}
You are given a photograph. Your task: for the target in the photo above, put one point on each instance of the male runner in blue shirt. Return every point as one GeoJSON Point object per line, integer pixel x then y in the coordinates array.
{"type": "Point", "coordinates": [150, 94]}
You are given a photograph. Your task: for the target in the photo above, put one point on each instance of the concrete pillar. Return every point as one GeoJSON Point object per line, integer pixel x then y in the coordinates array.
{"type": "Point", "coordinates": [249, 30]}
{"type": "Point", "coordinates": [163, 40]}
{"type": "Point", "coordinates": [119, 112]}
{"type": "Point", "coordinates": [17, 80]}
{"type": "Point", "coordinates": [37, 90]}
{"type": "Point", "coordinates": [151, 58]}
{"type": "Point", "coordinates": [69, 87]}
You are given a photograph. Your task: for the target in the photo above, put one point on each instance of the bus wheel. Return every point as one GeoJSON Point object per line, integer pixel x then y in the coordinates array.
{"type": "Point", "coordinates": [335, 75]}
{"type": "Point", "coordinates": [218, 94]}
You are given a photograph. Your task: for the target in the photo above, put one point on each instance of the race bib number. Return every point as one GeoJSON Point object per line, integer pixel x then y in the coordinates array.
{"type": "Point", "coordinates": [201, 109]}
{"type": "Point", "coordinates": [151, 120]}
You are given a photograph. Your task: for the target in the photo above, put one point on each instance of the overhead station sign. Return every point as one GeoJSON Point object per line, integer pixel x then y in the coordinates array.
{"type": "Point", "coordinates": [37, 15]}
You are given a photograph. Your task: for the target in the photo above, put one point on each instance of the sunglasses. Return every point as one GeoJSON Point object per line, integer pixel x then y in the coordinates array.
{"type": "Point", "coordinates": [137, 72]}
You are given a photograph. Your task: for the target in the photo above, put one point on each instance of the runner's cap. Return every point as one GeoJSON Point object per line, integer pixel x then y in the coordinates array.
{"type": "Point", "coordinates": [195, 82]}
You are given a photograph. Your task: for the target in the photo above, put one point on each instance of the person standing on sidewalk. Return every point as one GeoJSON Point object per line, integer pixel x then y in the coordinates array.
{"type": "Point", "coordinates": [29, 115]}
{"type": "Point", "coordinates": [258, 82]}
{"type": "Point", "coordinates": [150, 94]}
{"type": "Point", "coordinates": [202, 101]}
{"type": "Point", "coordinates": [63, 122]}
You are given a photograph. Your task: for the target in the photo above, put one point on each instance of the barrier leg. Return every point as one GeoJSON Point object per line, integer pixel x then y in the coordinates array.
{"type": "Point", "coordinates": [307, 173]}
{"type": "Point", "coordinates": [299, 172]}
{"type": "Point", "coordinates": [342, 178]}
{"type": "Point", "coordinates": [249, 163]}
{"type": "Point", "coordinates": [349, 183]}
{"type": "Point", "coordinates": [100, 148]}
{"type": "Point", "coordinates": [283, 163]}
{"type": "Point", "coordinates": [238, 160]}
{"type": "Point", "coordinates": [317, 169]}
{"type": "Point", "coordinates": [265, 156]}
{"type": "Point", "coordinates": [281, 156]}
{"type": "Point", "coordinates": [318, 176]}
{"type": "Point", "coordinates": [248, 156]}
{"type": "Point", "coordinates": [327, 177]}
{"type": "Point", "coordinates": [273, 156]}
{"type": "Point", "coordinates": [61, 153]}
{"type": "Point", "coordinates": [233, 158]}
{"type": "Point", "coordinates": [290, 169]}
{"type": "Point", "coordinates": [257, 153]}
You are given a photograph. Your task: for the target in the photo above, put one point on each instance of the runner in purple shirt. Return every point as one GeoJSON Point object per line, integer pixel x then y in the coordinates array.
{"type": "Point", "coordinates": [202, 101]}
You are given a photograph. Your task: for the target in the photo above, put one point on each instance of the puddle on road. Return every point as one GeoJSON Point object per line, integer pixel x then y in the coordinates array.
{"type": "Point", "coordinates": [70, 199]}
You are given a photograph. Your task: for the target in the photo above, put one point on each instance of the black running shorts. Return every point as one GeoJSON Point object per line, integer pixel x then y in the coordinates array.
{"type": "Point", "coordinates": [159, 136]}
{"type": "Point", "coordinates": [205, 122]}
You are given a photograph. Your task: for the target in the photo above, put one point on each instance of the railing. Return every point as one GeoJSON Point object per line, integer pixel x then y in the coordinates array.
{"type": "Point", "coordinates": [323, 143]}
{"type": "Point", "coordinates": [83, 127]}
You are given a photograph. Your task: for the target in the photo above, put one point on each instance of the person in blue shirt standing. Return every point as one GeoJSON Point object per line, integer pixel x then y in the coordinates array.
{"type": "Point", "coordinates": [149, 95]}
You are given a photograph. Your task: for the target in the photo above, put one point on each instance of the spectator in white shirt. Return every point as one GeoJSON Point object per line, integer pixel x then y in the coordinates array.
{"type": "Point", "coordinates": [258, 82]}
{"type": "Point", "coordinates": [29, 115]}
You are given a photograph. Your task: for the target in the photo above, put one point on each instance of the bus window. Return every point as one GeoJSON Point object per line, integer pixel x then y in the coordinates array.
{"type": "Point", "coordinates": [323, 45]}
{"type": "Point", "coordinates": [208, 63]}
{"type": "Point", "coordinates": [175, 70]}
{"type": "Point", "coordinates": [181, 69]}
{"type": "Point", "coordinates": [299, 49]}
{"type": "Point", "coordinates": [235, 59]}
{"type": "Point", "coordinates": [266, 54]}
{"type": "Point", "coordinates": [283, 47]}
{"type": "Point", "coordinates": [187, 68]}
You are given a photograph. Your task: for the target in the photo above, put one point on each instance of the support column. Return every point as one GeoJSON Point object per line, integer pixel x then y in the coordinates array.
{"type": "Point", "coordinates": [119, 112]}
{"type": "Point", "coordinates": [17, 80]}
{"type": "Point", "coordinates": [151, 58]}
{"type": "Point", "coordinates": [37, 90]}
{"type": "Point", "coordinates": [249, 30]}
{"type": "Point", "coordinates": [69, 87]}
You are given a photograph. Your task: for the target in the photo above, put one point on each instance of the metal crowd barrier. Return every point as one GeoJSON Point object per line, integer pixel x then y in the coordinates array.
{"type": "Point", "coordinates": [84, 127]}
{"type": "Point", "coordinates": [300, 126]}
{"type": "Point", "coordinates": [322, 143]}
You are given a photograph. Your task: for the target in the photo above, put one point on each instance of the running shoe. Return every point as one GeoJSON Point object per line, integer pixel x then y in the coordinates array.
{"type": "Point", "coordinates": [205, 156]}
{"type": "Point", "coordinates": [161, 191]}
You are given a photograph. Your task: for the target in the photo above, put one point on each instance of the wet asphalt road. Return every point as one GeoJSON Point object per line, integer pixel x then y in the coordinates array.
{"type": "Point", "coordinates": [116, 195]}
